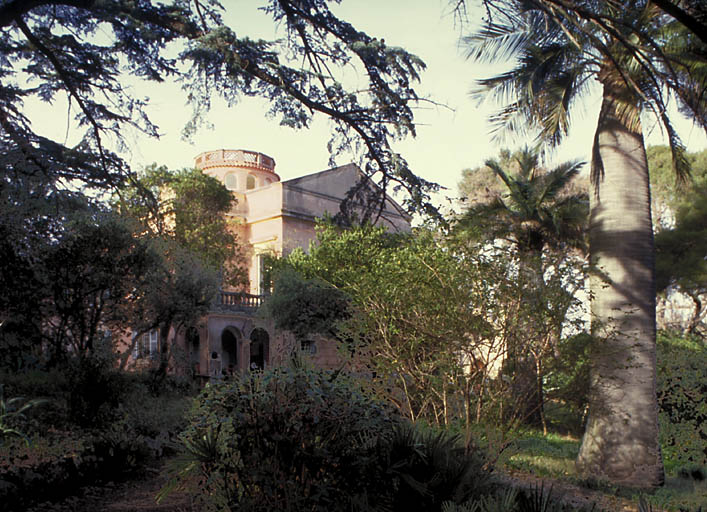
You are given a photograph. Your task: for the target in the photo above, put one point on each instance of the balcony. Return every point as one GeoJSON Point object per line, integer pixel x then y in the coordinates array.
{"type": "Point", "coordinates": [237, 301]}
{"type": "Point", "coordinates": [235, 157]}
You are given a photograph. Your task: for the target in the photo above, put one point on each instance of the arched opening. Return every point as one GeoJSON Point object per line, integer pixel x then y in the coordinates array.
{"type": "Point", "coordinates": [259, 349]}
{"type": "Point", "coordinates": [230, 338]}
{"type": "Point", "coordinates": [250, 182]}
{"type": "Point", "coordinates": [193, 348]}
{"type": "Point", "coordinates": [231, 181]}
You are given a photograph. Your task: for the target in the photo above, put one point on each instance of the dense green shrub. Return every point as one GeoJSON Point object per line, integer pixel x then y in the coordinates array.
{"type": "Point", "coordinates": [151, 415]}
{"type": "Point", "coordinates": [46, 384]}
{"type": "Point", "coordinates": [46, 468]}
{"type": "Point", "coordinates": [63, 455]}
{"type": "Point", "coordinates": [682, 388]}
{"type": "Point", "coordinates": [288, 439]}
{"type": "Point", "coordinates": [20, 346]}
{"type": "Point", "coordinates": [296, 439]}
{"type": "Point", "coordinates": [95, 390]}
{"type": "Point", "coordinates": [55, 466]}
{"type": "Point", "coordinates": [91, 395]}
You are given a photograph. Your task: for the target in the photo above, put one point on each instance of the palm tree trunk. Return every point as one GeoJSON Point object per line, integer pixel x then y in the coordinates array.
{"type": "Point", "coordinates": [620, 442]}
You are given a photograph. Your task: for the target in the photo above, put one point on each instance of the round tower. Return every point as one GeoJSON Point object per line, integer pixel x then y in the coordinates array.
{"type": "Point", "coordinates": [239, 169]}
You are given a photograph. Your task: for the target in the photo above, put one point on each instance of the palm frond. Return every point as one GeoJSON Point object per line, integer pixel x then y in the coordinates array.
{"type": "Point", "coordinates": [496, 42]}
{"type": "Point", "coordinates": [511, 122]}
{"type": "Point", "coordinates": [558, 178]}
{"type": "Point", "coordinates": [498, 170]}
{"type": "Point", "coordinates": [531, 206]}
{"type": "Point", "coordinates": [527, 162]}
{"type": "Point", "coordinates": [681, 166]}
{"type": "Point", "coordinates": [540, 87]}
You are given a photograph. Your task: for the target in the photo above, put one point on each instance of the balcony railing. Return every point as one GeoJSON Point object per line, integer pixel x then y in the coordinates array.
{"type": "Point", "coordinates": [240, 157]}
{"type": "Point", "coordinates": [239, 300]}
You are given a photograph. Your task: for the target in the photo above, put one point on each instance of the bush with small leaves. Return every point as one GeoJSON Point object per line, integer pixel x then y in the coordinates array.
{"type": "Point", "coordinates": [287, 439]}
{"type": "Point", "coordinates": [682, 387]}
{"type": "Point", "coordinates": [297, 438]}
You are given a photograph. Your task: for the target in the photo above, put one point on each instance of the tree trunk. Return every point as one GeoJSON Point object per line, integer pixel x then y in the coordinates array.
{"type": "Point", "coordinates": [160, 373]}
{"type": "Point", "coordinates": [620, 442]}
{"type": "Point", "coordinates": [528, 389]}
{"type": "Point", "coordinates": [696, 314]}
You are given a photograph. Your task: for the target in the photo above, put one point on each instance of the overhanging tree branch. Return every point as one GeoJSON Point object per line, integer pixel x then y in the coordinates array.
{"type": "Point", "coordinates": [69, 85]}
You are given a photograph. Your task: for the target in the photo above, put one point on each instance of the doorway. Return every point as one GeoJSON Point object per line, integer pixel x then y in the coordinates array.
{"type": "Point", "coordinates": [259, 349]}
{"type": "Point", "coordinates": [230, 341]}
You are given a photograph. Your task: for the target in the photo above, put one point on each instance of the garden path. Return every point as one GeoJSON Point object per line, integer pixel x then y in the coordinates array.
{"type": "Point", "coordinates": [134, 495]}
{"type": "Point", "coordinates": [573, 495]}
{"type": "Point", "coordinates": [138, 495]}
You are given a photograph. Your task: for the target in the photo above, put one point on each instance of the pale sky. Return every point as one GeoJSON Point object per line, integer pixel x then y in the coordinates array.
{"type": "Point", "coordinates": [449, 139]}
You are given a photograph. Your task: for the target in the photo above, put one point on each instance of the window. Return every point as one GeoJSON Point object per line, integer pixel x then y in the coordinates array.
{"type": "Point", "coordinates": [147, 345]}
{"type": "Point", "coordinates": [308, 347]}
{"type": "Point", "coordinates": [231, 181]}
{"type": "Point", "coordinates": [262, 287]}
{"type": "Point", "coordinates": [250, 182]}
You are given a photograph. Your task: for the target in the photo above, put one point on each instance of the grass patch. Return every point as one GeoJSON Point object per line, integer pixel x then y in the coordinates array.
{"type": "Point", "coordinates": [553, 456]}
{"type": "Point", "coordinates": [550, 456]}
{"type": "Point", "coordinates": [678, 493]}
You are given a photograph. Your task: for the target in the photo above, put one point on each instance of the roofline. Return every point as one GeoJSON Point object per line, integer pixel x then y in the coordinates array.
{"type": "Point", "coordinates": [401, 211]}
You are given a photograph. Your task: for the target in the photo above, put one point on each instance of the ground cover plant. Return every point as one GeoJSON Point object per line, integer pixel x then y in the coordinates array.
{"type": "Point", "coordinates": [298, 438]}
{"type": "Point", "coordinates": [95, 424]}
{"type": "Point", "coordinates": [552, 458]}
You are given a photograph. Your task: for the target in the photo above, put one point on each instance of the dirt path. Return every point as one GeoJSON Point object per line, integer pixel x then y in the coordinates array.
{"type": "Point", "coordinates": [130, 496]}
{"type": "Point", "coordinates": [578, 497]}
{"type": "Point", "coordinates": [139, 496]}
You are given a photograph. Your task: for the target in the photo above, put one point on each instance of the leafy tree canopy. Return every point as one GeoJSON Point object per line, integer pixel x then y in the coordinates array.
{"type": "Point", "coordinates": [481, 184]}
{"type": "Point", "coordinates": [681, 250]}
{"type": "Point", "coordinates": [190, 208]}
{"type": "Point", "coordinates": [81, 49]}
{"type": "Point", "coordinates": [427, 315]}
{"type": "Point", "coordinates": [74, 268]}
{"type": "Point", "coordinates": [667, 195]}
{"type": "Point", "coordinates": [64, 292]}
{"type": "Point", "coordinates": [681, 228]}
{"type": "Point", "coordinates": [306, 307]}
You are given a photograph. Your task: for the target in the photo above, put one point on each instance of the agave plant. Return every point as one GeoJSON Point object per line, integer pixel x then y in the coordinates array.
{"type": "Point", "coordinates": [12, 410]}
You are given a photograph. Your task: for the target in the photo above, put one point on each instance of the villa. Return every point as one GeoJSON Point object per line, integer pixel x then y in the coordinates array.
{"type": "Point", "coordinates": [271, 217]}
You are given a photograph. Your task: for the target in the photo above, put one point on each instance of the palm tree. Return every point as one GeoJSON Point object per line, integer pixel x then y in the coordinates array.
{"type": "Point", "coordinates": [538, 212]}
{"type": "Point", "coordinates": [557, 58]}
